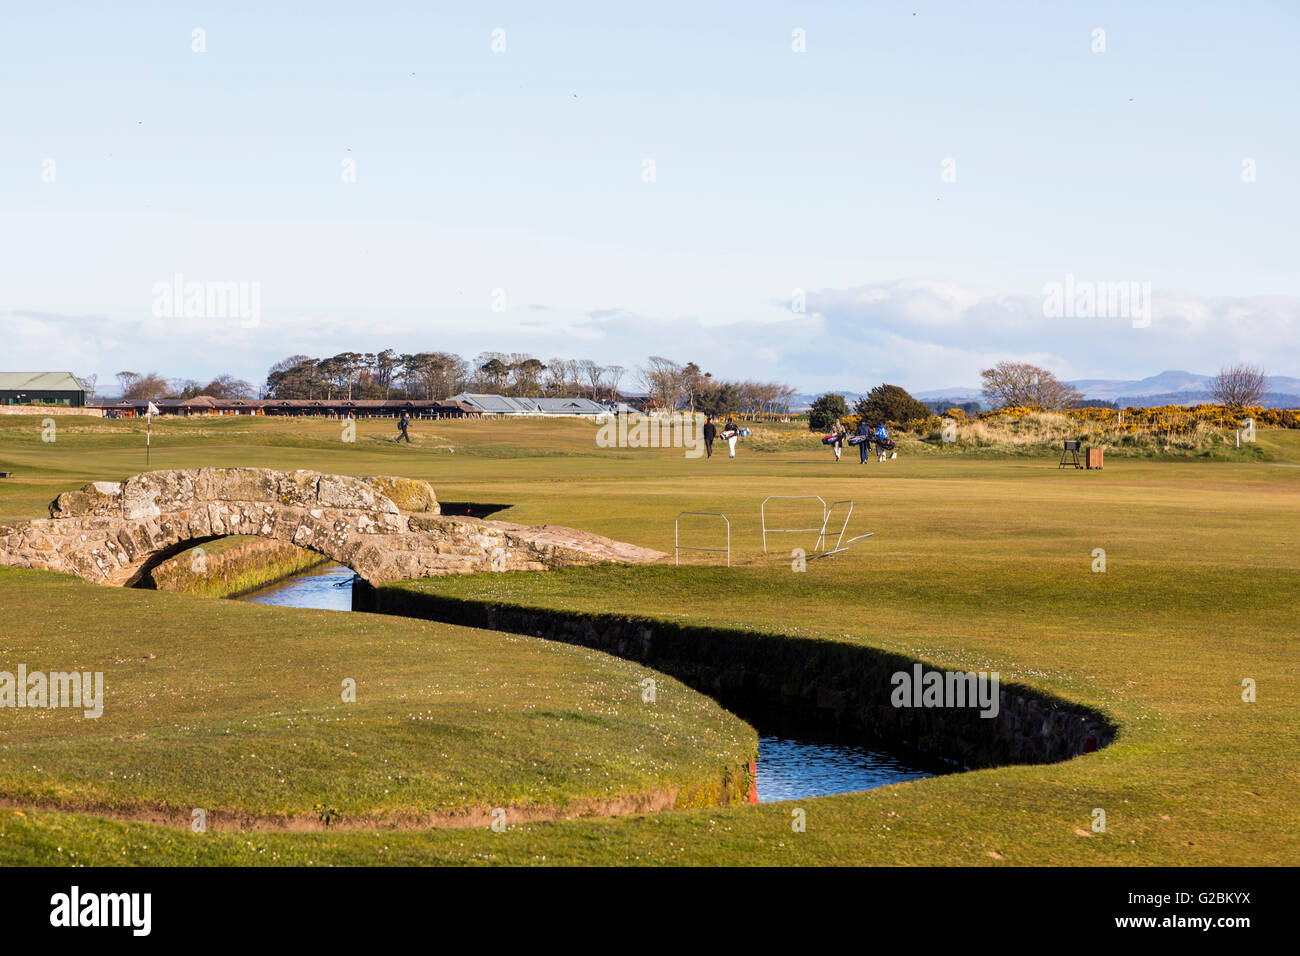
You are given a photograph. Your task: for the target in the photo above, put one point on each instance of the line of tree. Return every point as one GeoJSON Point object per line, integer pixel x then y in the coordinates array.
{"type": "Point", "coordinates": [668, 385]}
{"type": "Point", "coordinates": [439, 375]}
{"type": "Point", "coordinates": [672, 386]}
{"type": "Point", "coordinates": [151, 386]}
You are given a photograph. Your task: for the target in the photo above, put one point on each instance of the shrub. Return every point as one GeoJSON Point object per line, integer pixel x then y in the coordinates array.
{"type": "Point", "coordinates": [891, 403]}
{"type": "Point", "coordinates": [826, 411]}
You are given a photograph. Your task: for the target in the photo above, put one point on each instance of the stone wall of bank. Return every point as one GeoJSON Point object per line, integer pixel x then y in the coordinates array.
{"type": "Point", "coordinates": [842, 687]}
{"type": "Point", "coordinates": [229, 567]}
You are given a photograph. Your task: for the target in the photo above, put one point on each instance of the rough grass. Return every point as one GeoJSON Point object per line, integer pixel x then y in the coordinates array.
{"type": "Point", "coordinates": [1040, 433]}
{"type": "Point", "coordinates": [978, 560]}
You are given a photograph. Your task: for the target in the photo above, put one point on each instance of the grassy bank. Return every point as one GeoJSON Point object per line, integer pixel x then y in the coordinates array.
{"type": "Point", "coordinates": [239, 709]}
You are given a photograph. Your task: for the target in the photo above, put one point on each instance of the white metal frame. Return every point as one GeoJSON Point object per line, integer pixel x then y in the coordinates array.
{"type": "Point", "coordinates": [822, 534]}
{"type": "Point", "coordinates": [838, 550]}
{"type": "Point", "coordinates": [762, 512]}
{"type": "Point", "coordinates": [677, 545]}
{"type": "Point", "coordinates": [843, 527]}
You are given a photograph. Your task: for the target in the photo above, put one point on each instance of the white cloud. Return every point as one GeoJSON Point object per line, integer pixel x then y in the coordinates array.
{"type": "Point", "coordinates": [919, 333]}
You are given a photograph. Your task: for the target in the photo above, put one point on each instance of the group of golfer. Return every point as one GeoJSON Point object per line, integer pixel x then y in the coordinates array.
{"type": "Point", "coordinates": [730, 431]}
{"type": "Point", "coordinates": [864, 437]}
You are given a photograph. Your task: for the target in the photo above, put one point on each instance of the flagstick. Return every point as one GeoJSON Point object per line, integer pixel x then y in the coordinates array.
{"type": "Point", "coordinates": [148, 438]}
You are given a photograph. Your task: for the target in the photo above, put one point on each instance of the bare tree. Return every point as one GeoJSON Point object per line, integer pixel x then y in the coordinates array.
{"type": "Point", "coordinates": [788, 392]}
{"type": "Point", "coordinates": [758, 399]}
{"type": "Point", "coordinates": [664, 382]}
{"type": "Point", "coordinates": [126, 379]}
{"type": "Point", "coordinates": [227, 386]}
{"type": "Point", "coordinates": [616, 373]}
{"type": "Point", "coordinates": [149, 386]}
{"type": "Point", "coordinates": [1013, 384]}
{"type": "Point", "coordinates": [553, 384]}
{"type": "Point", "coordinates": [593, 375]}
{"type": "Point", "coordinates": [694, 383]}
{"type": "Point", "coordinates": [1239, 386]}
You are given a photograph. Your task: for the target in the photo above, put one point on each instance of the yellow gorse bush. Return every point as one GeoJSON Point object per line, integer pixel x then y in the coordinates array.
{"type": "Point", "coordinates": [1160, 428]}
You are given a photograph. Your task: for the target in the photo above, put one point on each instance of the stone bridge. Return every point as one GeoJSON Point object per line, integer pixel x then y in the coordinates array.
{"type": "Point", "coordinates": [383, 528]}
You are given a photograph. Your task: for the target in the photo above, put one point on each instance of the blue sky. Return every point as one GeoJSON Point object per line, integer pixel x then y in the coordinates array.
{"type": "Point", "coordinates": [523, 171]}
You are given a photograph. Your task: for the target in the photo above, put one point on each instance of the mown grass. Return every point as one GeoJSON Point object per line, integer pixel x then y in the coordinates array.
{"type": "Point", "coordinates": [239, 709]}
{"type": "Point", "coordinates": [978, 560]}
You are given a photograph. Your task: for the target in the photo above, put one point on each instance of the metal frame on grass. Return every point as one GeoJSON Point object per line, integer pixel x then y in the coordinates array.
{"type": "Point", "coordinates": [820, 529]}
{"type": "Point", "coordinates": [839, 550]}
{"type": "Point", "coordinates": [844, 527]}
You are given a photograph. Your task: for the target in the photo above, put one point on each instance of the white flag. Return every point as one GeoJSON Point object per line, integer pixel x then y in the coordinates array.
{"type": "Point", "coordinates": [152, 409]}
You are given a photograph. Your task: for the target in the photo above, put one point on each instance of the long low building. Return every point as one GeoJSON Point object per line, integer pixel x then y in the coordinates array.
{"type": "Point", "coordinates": [464, 405]}
{"type": "Point", "coordinates": [317, 407]}
{"type": "Point", "coordinates": [367, 408]}
{"type": "Point", "coordinates": [512, 405]}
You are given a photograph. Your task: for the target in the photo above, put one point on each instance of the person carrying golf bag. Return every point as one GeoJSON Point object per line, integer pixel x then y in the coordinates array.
{"type": "Point", "coordinates": [863, 436]}
{"type": "Point", "coordinates": [836, 440]}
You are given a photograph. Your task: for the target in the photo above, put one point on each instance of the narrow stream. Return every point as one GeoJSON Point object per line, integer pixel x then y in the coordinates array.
{"type": "Point", "coordinates": [789, 767]}
{"type": "Point", "coordinates": [326, 588]}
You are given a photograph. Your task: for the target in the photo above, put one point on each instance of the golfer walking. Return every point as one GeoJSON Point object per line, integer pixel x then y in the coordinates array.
{"type": "Point", "coordinates": [710, 433]}
{"type": "Point", "coordinates": [837, 441]}
{"type": "Point", "coordinates": [864, 449]}
{"type": "Point", "coordinates": [403, 423]}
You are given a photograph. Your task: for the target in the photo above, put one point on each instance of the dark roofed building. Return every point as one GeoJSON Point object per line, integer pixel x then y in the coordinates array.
{"type": "Point", "coordinates": [319, 407]}
{"type": "Point", "coordinates": [41, 388]}
{"type": "Point", "coordinates": [182, 407]}
{"type": "Point", "coordinates": [512, 405]}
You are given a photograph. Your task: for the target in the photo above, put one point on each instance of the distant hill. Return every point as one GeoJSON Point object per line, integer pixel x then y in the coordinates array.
{"type": "Point", "coordinates": [1166, 383]}
{"type": "Point", "coordinates": [964, 393]}
{"type": "Point", "coordinates": [1270, 400]}
{"type": "Point", "coordinates": [1181, 388]}
{"type": "Point", "coordinates": [801, 403]}
{"type": "Point", "coordinates": [1171, 387]}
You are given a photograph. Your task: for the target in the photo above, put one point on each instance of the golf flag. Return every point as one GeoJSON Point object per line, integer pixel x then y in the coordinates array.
{"type": "Point", "coordinates": [150, 411]}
